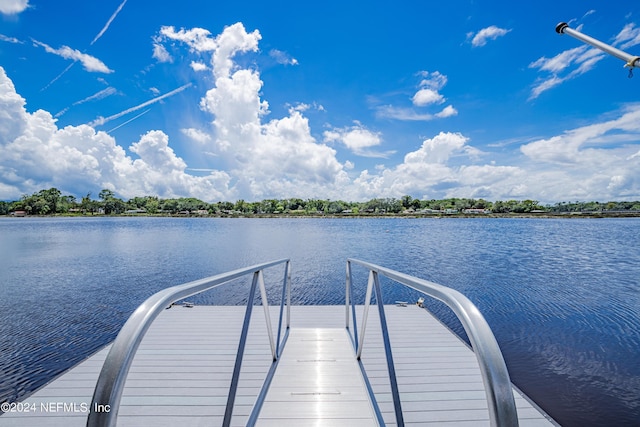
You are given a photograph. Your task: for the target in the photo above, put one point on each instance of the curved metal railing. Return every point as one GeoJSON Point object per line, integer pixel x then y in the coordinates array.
{"type": "Point", "coordinates": [497, 384]}
{"type": "Point", "coordinates": [110, 385]}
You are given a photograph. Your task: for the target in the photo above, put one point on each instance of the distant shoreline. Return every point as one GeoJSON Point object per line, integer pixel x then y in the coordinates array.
{"type": "Point", "coordinates": [547, 215]}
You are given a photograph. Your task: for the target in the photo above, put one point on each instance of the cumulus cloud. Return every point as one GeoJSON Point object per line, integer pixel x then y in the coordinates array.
{"type": "Point", "coordinates": [224, 47]}
{"type": "Point", "coordinates": [278, 157]}
{"type": "Point", "coordinates": [90, 63]}
{"type": "Point", "coordinates": [428, 94]}
{"type": "Point", "coordinates": [425, 172]}
{"type": "Point", "coordinates": [35, 153]}
{"type": "Point", "coordinates": [13, 7]}
{"type": "Point", "coordinates": [198, 66]}
{"type": "Point", "coordinates": [579, 146]}
{"type": "Point", "coordinates": [490, 33]}
{"type": "Point", "coordinates": [358, 139]}
{"type": "Point", "coordinates": [259, 156]}
{"type": "Point", "coordinates": [591, 162]}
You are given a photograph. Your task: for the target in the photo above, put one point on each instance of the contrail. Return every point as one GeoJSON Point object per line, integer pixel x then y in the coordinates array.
{"type": "Point", "coordinates": [96, 96]}
{"type": "Point", "coordinates": [106, 26]}
{"type": "Point", "coordinates": [59, 75]}
{"type": "Point", "coordinates": [129, 121]}
{"type": "Point", "coordinates": [104, 29]}
{"type": "Point", "coordinates": [102, 120]}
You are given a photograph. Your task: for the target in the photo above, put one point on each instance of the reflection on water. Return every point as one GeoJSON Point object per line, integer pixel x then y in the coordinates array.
{"type": "Point", "coordinates": [562, 296]}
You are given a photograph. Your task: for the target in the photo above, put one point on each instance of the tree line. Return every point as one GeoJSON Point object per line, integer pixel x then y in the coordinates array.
{"type": "Point", "coordinates": [52, 202]}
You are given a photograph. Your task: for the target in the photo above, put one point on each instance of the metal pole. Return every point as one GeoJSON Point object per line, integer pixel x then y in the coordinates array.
{"type": "Point", "coordinates": [631, 61]}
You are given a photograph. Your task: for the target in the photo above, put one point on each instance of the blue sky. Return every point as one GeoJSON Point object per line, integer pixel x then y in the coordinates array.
{"type": "Point", "coordinates": [254, 100]}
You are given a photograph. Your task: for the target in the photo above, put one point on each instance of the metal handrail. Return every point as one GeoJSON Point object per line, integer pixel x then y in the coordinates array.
{"type": "Point", "coordinates": [630, 60]}
{"type": "Point", "coordinates": [495, 376]}
{"type": "Point", "coordinates": [110, 384]}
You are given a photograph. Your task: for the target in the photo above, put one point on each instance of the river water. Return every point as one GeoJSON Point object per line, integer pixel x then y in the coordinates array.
{"type": "Point", "coordinates": [561, 295]}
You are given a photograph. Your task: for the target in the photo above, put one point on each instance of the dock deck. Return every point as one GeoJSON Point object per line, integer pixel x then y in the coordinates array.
{"type": "Point", "coordinates": [182, 371]}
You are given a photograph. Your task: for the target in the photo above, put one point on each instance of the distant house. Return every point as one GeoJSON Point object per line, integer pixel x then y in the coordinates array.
{"type": "Point", "coordinates": [476, 211]}
{"type": "Point", "coordinates": [429, 211]}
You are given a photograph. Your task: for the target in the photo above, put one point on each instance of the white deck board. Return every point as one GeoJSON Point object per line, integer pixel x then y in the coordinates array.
{"type": "Point", "coordinates": [317, 381]}
{"type": "Point", "coordinates": [181, 374]}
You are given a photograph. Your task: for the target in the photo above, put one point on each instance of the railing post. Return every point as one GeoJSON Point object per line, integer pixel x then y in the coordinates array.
{"type": "Point", "coordinates": [226, 422]}
{"type": "Point", "coordinates": [365, 315]}
{"type": "Point", "coordinates": [347, 295]}
{"type": "Point", "coordinates": [267, 317]}
{"type": "Point", "coordinates": [387, 350]}
{"type": "Point", "coordinates": [286, 296]}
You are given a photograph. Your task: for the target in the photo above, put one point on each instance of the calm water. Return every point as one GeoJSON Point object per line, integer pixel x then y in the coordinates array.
{"type": "Point", "coordinates": [562, 296]}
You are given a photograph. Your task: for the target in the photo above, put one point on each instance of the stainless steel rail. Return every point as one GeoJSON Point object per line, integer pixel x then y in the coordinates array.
{"type": "Point", "coordinates": [498, 389]}
{"type": "Point", "coordinates": [110, 384]}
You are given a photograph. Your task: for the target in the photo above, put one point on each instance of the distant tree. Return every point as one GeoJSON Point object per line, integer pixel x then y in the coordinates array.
{"type": "Point", "coordinates": [51, 198]}
{"type": "Point", "coordinates": [88, 205]}
{"type": "Point", "coordinates": [110, 203]}
{"type": "Point", "coordinates": [406, 201]}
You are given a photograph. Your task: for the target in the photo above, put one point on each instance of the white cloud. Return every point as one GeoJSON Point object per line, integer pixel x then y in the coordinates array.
{"type": "Point", "coordinates": [282, 57]}
{"type": "Point", "coordinates": [409, 114]}
{"type": "Point", "coordinates": [259, 156]}
{"type": "Point", "coordinates": [90, 63]}
{"type": "Point", "coordinates": [10, 39]}
{"type": "Point", "coordinates": [13, 7]}
{"type": "Point", "coordinates": [160, 53]}
{"type": "Point", "coordinates": [358, 139]}
{"type": "Point", "coordinates": [427, 96]}
{"type": "Point", "coordinates": [302, 107]}
{"type": "Point", "coordinates": [628, 37]}
{"type": "Point", "coordinates": [490, 33]}
{"type": "Point", "coordinates": [198, 66]}
{"type": "Point", "coordinates": [271, 158]}
{"type": "Point", "coordinates": [578, 60]}
{"type": "Point", "coordinates": [35, 153]}
{"type": "Point", "coordinates": [579, 146]}
{"type": "Point", "coordinates": [197, 135]}
{"type": "Point", "coordinates": [430, 85]}
{"type": "Point", "coordinates": [447, 111]}
{"type": "Point", "coordinates": [225, 46]}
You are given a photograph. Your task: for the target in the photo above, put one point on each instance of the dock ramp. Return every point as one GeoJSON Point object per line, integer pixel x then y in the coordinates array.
{"type": "Point", "coordinates": [358, 365]}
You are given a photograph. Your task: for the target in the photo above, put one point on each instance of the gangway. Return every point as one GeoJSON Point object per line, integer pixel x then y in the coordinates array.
{"type": "Point", "coordinates": [324, 365]}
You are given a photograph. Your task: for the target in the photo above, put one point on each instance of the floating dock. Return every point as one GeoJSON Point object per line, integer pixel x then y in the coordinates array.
{"type": "Point", "coordinates": [181, 374]}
